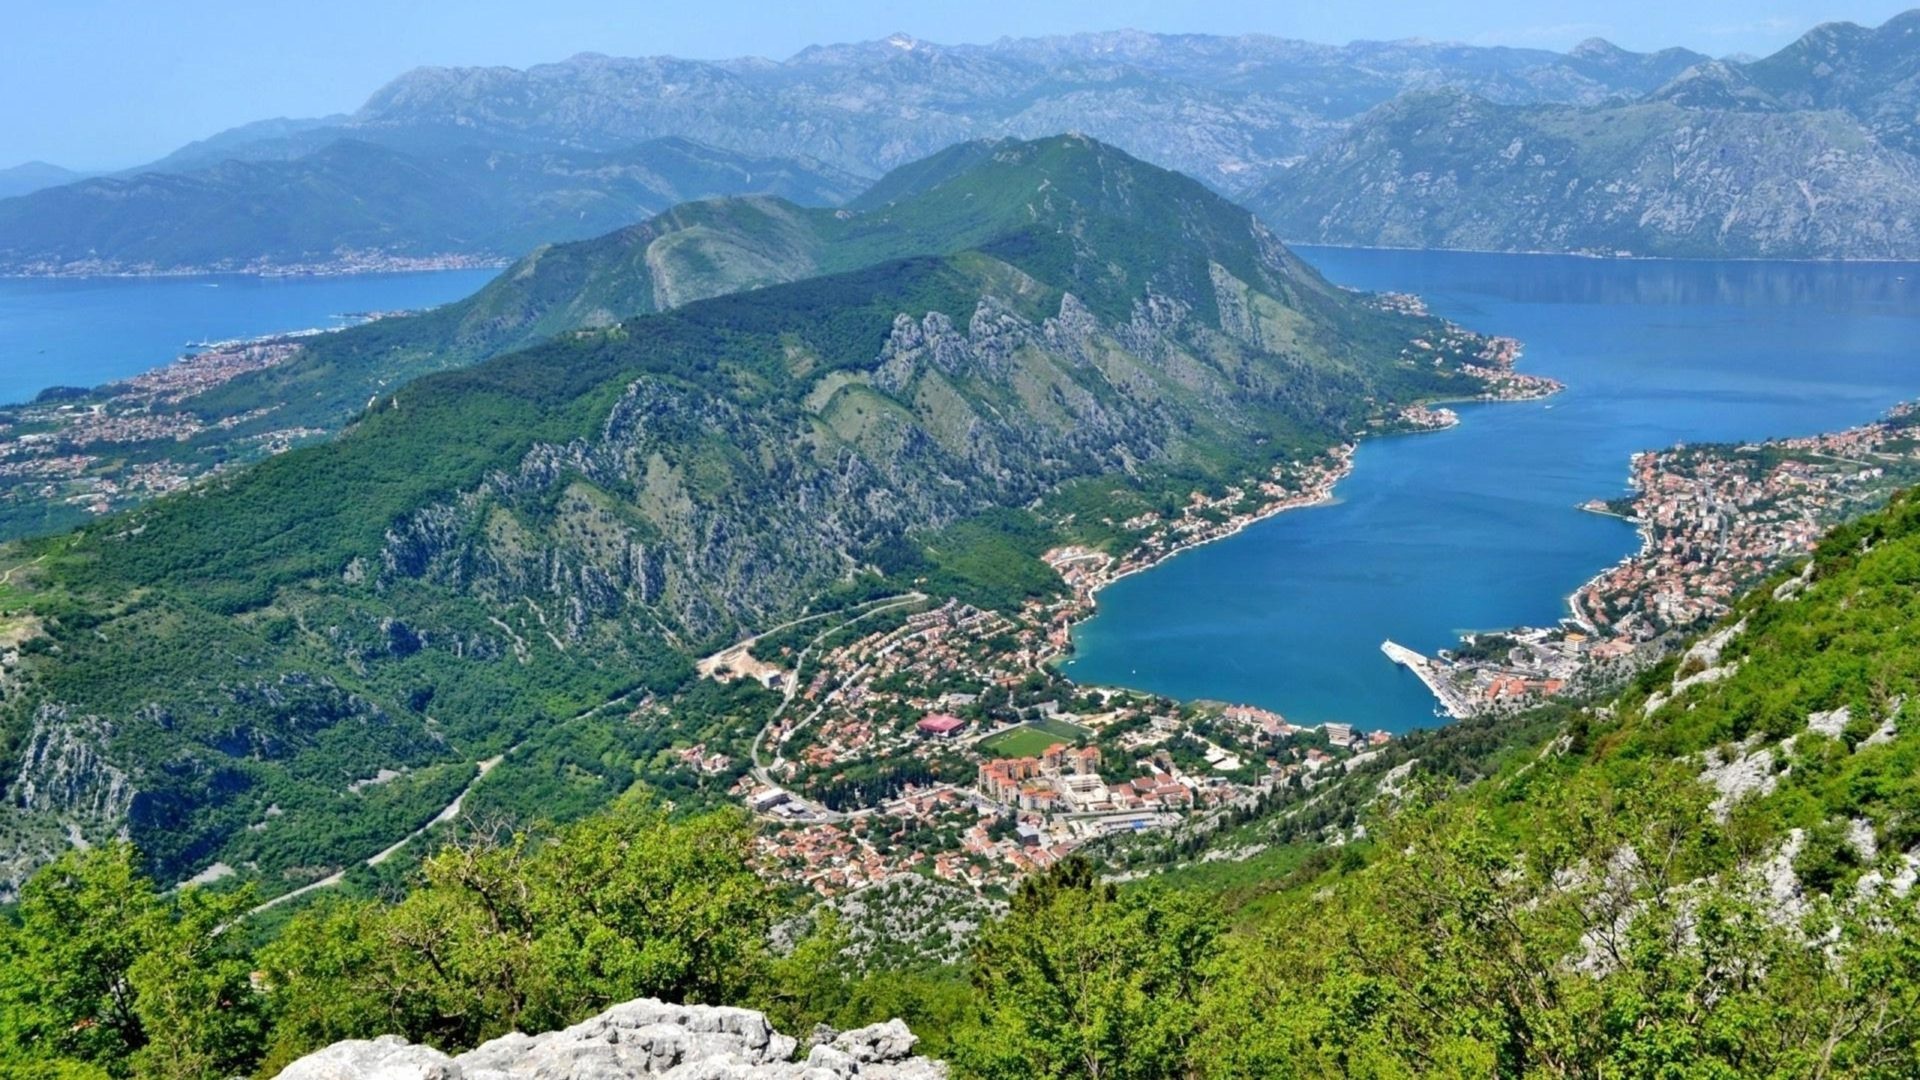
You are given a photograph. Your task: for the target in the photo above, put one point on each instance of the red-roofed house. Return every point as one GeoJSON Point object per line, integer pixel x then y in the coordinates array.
{"type": "Point", "coordinates": [940, 726]}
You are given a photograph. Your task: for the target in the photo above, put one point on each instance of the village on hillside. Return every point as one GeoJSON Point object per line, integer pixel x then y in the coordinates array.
{"type": "Point", "coordinates": [941, 741]}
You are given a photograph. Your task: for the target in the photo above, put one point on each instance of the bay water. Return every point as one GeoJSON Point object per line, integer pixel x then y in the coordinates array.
{"type": "Point", "coordinates": [1433, 534]}
{"type": "Point", "coordinates": [1476, 527]}
{"type": "Point", "coordinates": [89, 331]}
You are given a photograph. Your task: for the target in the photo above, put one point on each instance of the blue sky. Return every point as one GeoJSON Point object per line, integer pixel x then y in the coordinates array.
{"type": "Point", "coordinates": [97, 83]}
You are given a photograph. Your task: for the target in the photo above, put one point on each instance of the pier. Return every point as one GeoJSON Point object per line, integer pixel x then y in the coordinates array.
{"type": "Point", "coordinates": [1449, 698]}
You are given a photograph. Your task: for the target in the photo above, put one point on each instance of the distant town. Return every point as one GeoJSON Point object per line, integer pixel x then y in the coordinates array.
{"type": "Point", "coordinates": [940, 741]}
{"type": "Point", "coordinates": [339, 264]}
{"type": "Point", "coordinates": [92, 452]}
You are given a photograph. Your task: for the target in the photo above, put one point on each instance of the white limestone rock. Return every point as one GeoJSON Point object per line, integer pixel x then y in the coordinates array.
{"type": "Point", "coordinates": [1708, 649]}
{"type": "Point", "coordinates": [1830, 723]}
{"type": "Point", "coordinates": [1861, 839]}
{"type": "Point", "coordinates": [637, 1040]}
{"type": "Point", "coordinates": [1779, 885]}
{"type": "Point", "coordinates": [387, 1058]}
{"type": "Point", "coordinates": [1702, 678]}
{"type": "Point", "coordinates": [1793, 586]}
{"type": "Point", "coordinates": [1741, 772]}
{"type": "Point", "coordinates": [1889, 728]}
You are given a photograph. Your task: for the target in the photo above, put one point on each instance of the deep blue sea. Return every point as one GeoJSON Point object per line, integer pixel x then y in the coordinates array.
{"type": "Point", "coordinates": [88, 331]}
{"type": "Point", "coordinates": [1476, 527]}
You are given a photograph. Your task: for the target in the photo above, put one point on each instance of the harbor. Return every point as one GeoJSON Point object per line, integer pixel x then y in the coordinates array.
{"type": "Point", "coordinates": [1428, 673]}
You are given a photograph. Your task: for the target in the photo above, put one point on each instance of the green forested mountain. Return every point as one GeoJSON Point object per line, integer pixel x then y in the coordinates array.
{"type": "Point", "coordinates": [951, 202]}
{"type": "Point", "coordinates": [366, 200]}
{"type": "Point", "coordinates": [290, 667]}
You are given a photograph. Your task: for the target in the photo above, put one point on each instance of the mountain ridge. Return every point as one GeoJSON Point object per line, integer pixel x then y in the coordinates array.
{"type": "Point", "coordinates": [1237, 112]}
{"type": "Point", "coordinates": [1808, 153]}
{"type": "Point", "coordinates": [355, 198]}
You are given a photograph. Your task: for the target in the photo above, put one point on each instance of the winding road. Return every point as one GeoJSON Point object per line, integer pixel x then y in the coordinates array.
{"type": "Point", "coordinates": [873, 607]}
{"type": "Point", "coordinates": [447, 813]}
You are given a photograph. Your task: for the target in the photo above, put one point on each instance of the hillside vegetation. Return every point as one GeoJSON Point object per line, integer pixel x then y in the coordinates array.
{"type": "Point", "coordinates": [1606, 898]}
{"type": "Point", "coordinates": [361, 201]}
{"type": "Point", "coordinates": [965, 197]}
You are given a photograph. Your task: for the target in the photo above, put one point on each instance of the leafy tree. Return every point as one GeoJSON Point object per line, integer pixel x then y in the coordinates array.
{"type": "Point", "coordinates": [193, 991]}
{"type": "Point", "coordinates": [1080, 981]}
{"type": "Point", "coordinates": [100, 973]}
{"type": "Point", "coordinates": [531, 933]}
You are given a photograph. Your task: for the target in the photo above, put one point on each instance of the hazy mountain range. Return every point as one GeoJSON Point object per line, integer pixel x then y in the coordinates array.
{"type": "Point", "coordinates": [358, 200]}
{"type": "Point", "coordinates": [415, 170]}
{"type": "Point", "coordinates": [1809, 152]}
{"type": "Point", "coordinates": [32, 176]}
{"type": "Point", "coordinates": [1806, 153]}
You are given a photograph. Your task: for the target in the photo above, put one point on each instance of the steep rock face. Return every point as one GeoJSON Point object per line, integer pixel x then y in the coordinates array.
{"type": "Point", "coordinates": [639, 1039]}
{"type": "Point", "coordinates": [1655, 178]}
{"type": "Point", "coordinates": [634, 523]}
{"type": "Point", "coordinates": [64, 770]}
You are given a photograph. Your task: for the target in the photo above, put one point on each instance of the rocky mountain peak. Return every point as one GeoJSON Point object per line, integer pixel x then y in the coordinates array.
{"type": "Point", "coordinates": [1715, 84]}
{"type": "Point", "coordinates": [1597, 48]}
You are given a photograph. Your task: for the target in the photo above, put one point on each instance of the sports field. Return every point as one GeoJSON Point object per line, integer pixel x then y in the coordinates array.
{"type": "Point", "coordinates": [1029, 740]}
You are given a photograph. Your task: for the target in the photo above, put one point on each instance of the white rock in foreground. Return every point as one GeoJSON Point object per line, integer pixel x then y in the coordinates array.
{"type": "Point", "coordinates": [644, 1038]}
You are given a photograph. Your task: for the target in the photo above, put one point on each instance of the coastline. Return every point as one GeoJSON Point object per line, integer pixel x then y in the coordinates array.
{"type": "Point", "coordinates": [1323, 493]}
{"type": "Point", "coordinates": [266, 271]}
{"type": "Point", "coordinates": [1343, 452]}
{"type": "Point", "coordinates": [1800, 260]}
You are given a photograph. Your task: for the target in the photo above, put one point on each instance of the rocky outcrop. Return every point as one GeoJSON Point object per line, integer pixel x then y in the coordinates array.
{"type": "Point", "coordinates": [644, 1038]}
{"type": "Point", "coordinates": [65, 771]}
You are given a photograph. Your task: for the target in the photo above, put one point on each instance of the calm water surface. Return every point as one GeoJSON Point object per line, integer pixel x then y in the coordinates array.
{"type": "Point", "coordinates": [1475, 528]}
{"type": "Point", "coordinates": [88, 331]}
